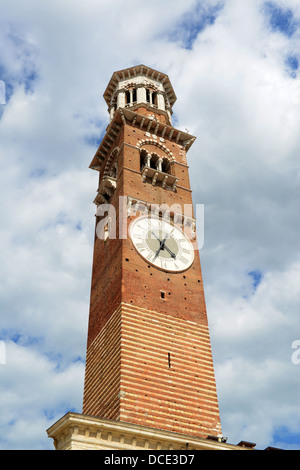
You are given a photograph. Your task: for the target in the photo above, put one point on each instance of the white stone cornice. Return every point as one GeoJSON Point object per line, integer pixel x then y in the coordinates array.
{"type": "Point", "coordinates": [81, 432]}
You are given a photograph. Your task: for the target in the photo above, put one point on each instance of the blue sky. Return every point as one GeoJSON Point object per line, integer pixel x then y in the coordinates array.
{"type": "Point", "coordinates": [193, 22]}
{"type": "Point", "coordinates": [285, 21]}
{"type": "Point", "coordinates": [257, 278]}
{"type": "Point", "coordinates": [235, 70]}
{"type": "Point", "coordinates": [281, 19]}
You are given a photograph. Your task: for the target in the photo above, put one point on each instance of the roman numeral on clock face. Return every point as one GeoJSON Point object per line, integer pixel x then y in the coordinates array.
{"type": "Point", "coordinates": [140, 246]}
{"type": "Point", "coordinates": [150, 257]}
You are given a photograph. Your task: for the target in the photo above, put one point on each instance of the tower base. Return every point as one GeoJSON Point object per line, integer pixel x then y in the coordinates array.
{"type": "Point", "coordinates": [82, 432]}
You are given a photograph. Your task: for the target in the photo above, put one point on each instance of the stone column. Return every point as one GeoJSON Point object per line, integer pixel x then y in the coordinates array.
{"type": "Point", "coordinates": [159, 164]}
{"type": "Point", "coordinates": [121, 99]}
{"type": "Point", "coordinates": [161, 101]}
{"type": "Point", "coordinates": [111, 112]}
{"type": "Point", "coordinates": [141, 95]}
{"type": "Point", "coordinates": [148, 159]}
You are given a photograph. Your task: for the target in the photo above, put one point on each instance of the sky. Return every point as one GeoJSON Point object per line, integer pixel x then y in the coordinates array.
{"type": "Point", "coordinates": [235, 68]}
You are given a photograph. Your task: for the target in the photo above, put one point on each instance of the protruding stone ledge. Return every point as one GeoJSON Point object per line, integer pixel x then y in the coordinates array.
{"type": "Point", "coordinates": [81, 432]}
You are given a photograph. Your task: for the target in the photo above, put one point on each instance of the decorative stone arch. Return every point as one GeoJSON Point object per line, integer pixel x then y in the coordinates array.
{"type": "Point", "coordinates": [154, 167]}
{"type": "Point", "coordinates": [130, 94]}
{"type": "Point", "coordinates": [156, 144]}
{"type": "Point", "coordinates": [113, 154]}
{"type": "Point", "coordinates": [109, 179]}
{"type": "Point", "coordinates": [130, 85]}
{"type": "Point", "coordinates": [151, 85]}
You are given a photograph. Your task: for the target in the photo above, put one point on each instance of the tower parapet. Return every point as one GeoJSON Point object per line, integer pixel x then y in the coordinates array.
{"type": "Point", "coordinates": [140, 85]}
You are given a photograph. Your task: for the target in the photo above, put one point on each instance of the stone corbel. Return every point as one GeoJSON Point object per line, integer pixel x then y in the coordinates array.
{"type": "Point", "coordinates": [145, 174]}
{"type": "Point", "coordinates": [154, 178]}
{"type": "Point", "coordinates": [165, 180]}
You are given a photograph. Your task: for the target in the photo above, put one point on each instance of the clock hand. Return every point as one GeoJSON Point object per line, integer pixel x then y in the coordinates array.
{"type": "Point", "coordinates": [161, 246]}
{"type": "Point", "coordinates": [171, 252]}
{"type": "Point", "coordinates": [161, 242]}
{"type": "Point", "coordinates": [156, 236]}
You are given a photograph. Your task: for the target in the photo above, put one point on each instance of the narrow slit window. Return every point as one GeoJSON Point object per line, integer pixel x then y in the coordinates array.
{"type": "Point", "coordinates": [169, 360]}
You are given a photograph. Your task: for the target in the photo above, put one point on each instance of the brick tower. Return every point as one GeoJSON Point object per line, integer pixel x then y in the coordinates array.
{"type": "Point", "coordinates": [149, 363]}
{"type": "Point", "coordinates": [149, 357]}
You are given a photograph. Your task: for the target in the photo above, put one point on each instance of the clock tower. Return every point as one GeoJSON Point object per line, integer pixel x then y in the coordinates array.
{"type": "Point", "coordinates": [149, 358]}
{"type": "Point", "coordinates": [149, 366]}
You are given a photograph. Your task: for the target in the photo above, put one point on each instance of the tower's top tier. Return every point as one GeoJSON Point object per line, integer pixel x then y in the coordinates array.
{"type": "Point", "coordinates": [139, 85]}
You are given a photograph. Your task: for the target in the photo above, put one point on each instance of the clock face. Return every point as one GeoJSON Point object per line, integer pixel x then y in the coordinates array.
{"type": "Point", "coordinates": [161, 244]}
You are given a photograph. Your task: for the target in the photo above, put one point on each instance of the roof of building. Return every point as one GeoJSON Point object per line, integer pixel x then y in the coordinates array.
{"type": "Point", "coordinates": [134, 71]}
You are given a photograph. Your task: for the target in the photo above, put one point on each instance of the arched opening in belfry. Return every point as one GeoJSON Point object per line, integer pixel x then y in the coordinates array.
{"type": "Point", "coordinates": [154, 161]}
{"type": "Point", "coordinates": [166, 166]}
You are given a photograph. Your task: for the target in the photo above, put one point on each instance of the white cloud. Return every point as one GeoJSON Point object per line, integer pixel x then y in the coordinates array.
{"type": "Point", "coordinates": [33, 393]}
{"type": "Point", "coordinates": [236, 94]}
{"type": "Point", "coordinates": [253, 339]}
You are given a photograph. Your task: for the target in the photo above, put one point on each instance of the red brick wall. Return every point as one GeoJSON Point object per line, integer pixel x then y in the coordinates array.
{"type": "Point", "coordinates": [179, 395]}
{"type": "Point", "coordinates": [155, 370]}
{"type": "Point", "coordinates": [103, 373]}
{"type": "Point", "coordinates": [132, 329]}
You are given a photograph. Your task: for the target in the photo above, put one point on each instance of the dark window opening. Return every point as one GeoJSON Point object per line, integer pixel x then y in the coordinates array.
{"type": "Point", "coordinates": [142, 161]}
{"type": "Point", "coordinates": [169, 360]}
{"type": "Point", "coordinates": [153, 162]}
{"type": "Point", "coordinates": [165, 166]}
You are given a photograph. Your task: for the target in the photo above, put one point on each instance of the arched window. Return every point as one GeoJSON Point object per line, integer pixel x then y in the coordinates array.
{"type": "Point", "coordinates": [154, 99]}
{"type": "Point", "coordinates": [131, 96]}
{"type": "Point", "coordinates": [134, 95]}
{"type": "Point", "coordinates": [154, 161]}
{"type": "Point", "coordinates": [151, 97]}
{"type": "Point", "coordinates": [143, 159]}
{"type": "Point", "coordinates": [157, 170]}
{"type": "Point", "coordinates": [113, 172]}
{"type": "Point", "coordinates": [166, 165]}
